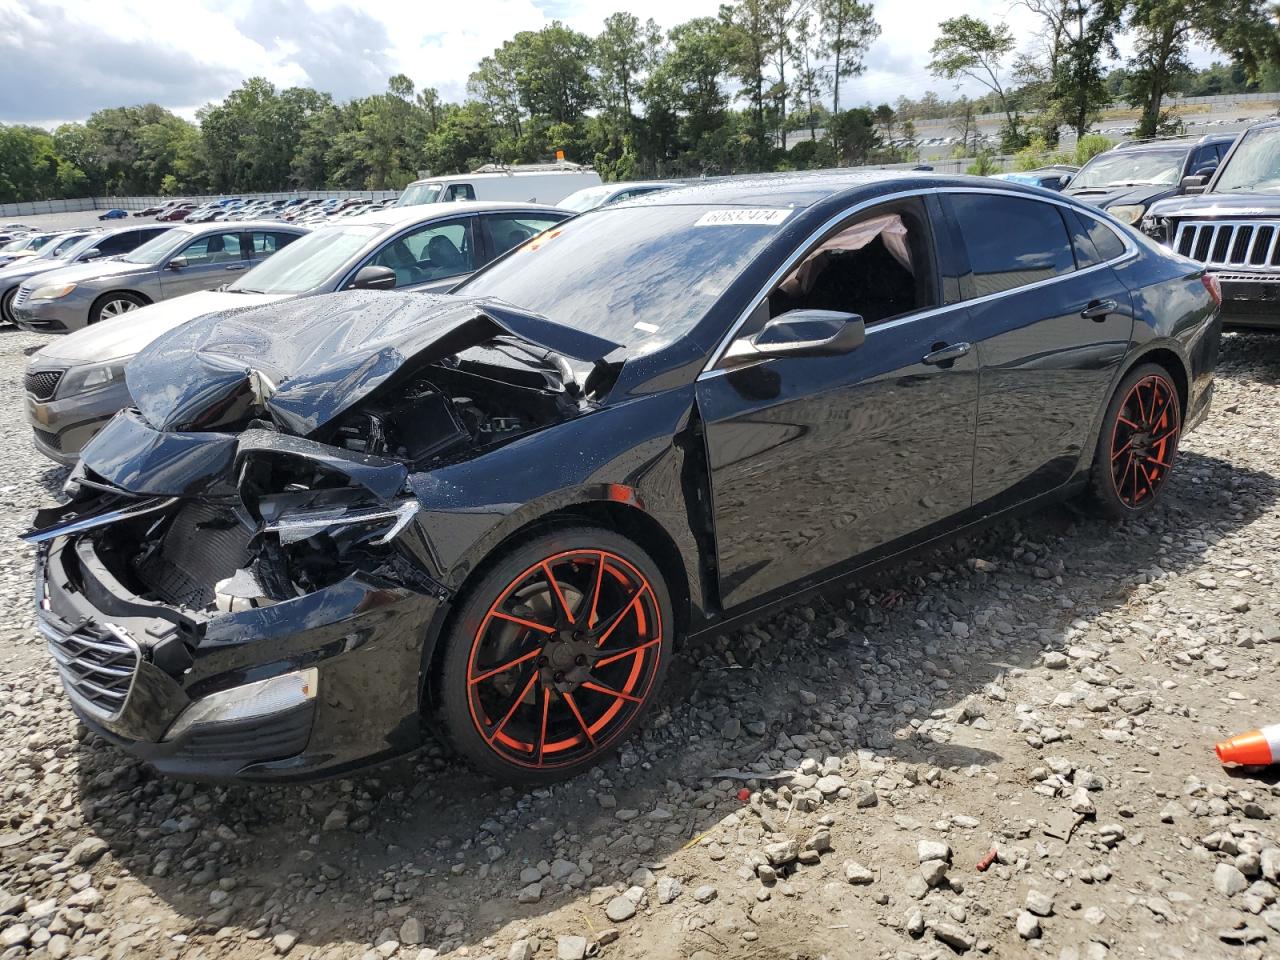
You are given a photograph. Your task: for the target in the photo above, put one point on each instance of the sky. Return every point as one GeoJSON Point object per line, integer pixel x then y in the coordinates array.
{"type": "Point", "coordinates": [62, 59]}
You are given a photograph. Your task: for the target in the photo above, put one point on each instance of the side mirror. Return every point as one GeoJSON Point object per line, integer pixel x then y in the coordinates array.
{"type": "Point", "coordinates": [802, 333]}
{"type": "Point", "coordinates": [177, 263]}
{"type": "Point", "coordinates": [373, 278]}
{"type": "Point", "coordinates": [1065, 181]}
{"type": "Point", "coordinates": [1194, 184]}
{"type": "Point", "coordinates": [92, 254]}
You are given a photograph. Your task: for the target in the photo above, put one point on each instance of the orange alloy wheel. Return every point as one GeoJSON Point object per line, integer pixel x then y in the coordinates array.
{"type": "Point", "coordinates": [1144, 440]}
{"type": "Point", "coordinates": [564, 658]}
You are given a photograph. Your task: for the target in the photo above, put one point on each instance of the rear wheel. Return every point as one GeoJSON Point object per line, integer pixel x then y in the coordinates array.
{"type": "Point", "coordinates": [1138, 443]}
{"type": "Point", "coordinates": [113, 305]}
{"type": "Point", "coordinates": [556, 655]}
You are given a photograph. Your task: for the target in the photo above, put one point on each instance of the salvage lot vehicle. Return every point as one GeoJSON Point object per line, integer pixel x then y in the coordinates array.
{"type": "Point", "coordinates": [589, 198]}
{"type": "Point", "coordinates": [1131, 176]}
{"type": "Point", "coordinates": [533, 183]}
{"type": "Point", "coordinates": [181, 260]}
{"type": "Point", "coordinates": [1232, 226]}
{"type": "Point", "coordinates": [501, 506]}
{"type": "Point", "coordinates": [94, 246]}
{"type": "Point", "coordinates": [25, 246]}
{"type": "Point", "coordinates": [1055, 177]}
{"type": "Point", "coordinates": [76, 384]}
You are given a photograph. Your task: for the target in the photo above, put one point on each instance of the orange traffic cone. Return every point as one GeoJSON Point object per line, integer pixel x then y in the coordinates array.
{"type": "Point", "coordinates": [1257, 748]}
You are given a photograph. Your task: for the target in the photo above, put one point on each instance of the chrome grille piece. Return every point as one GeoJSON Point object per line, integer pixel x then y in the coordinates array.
{"type": "Point", "coordinates": [43, 384]}
{"type": "Point", "coordinates": [1230, 243]}
{"type": "Point", "coordinates": [19, 298]}
{"type": "Point", "coordinates": [97, 663]}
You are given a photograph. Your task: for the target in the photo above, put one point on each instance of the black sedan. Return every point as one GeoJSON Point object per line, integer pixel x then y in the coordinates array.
{"type": "Point", "coordinates": [500, 509]}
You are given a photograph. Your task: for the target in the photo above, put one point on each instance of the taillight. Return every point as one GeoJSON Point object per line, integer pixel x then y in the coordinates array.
{"type": "Point", "coordinates": [1213, 286]}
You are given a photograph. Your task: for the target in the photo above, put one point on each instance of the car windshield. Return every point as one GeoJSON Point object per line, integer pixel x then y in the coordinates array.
{"type": "Point", "coordinates": [1121, 168]}
{"type": "Point", "coordinates": [417, 193]}
{"type": "Point", "coordinates": [153, 251]}
{"type": "Point", "coordinates": [586, 199]}
{"type": "Point", "coordinates": [307, 262]}
{"type": "Point", "coordinates": [13, 246]}
{"type": "Point", "coordinates": [1254, 166]}
{"type": "Point", "coordinates": [639, 276]}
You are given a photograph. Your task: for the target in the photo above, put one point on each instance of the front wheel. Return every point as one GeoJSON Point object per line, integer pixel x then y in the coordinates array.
{"type": "Point", "coordinates": [113, 305]}
{"type": "Point", "coordinates": [556, 655]}
{"type": "Point", "coordinates": [6, 305]}
{"type": "Point", "coordinates": [1138, 443]}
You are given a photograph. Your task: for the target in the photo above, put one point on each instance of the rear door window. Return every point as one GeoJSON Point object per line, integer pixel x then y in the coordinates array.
{"type": "Point", "coordinates": [119, 243]}
{"type": "Point", "coordinates": [215, 248]}
{"type": "Point", "coordinates": [1011, 241]}
{"type": "Point", "coordinates": [460, 191]}
{"type": "Point", "coordinates": [267, 242]}
{"type": "Point", "coordinates": [504, 231]}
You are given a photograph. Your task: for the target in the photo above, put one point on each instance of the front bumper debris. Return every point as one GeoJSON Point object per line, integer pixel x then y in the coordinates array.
{"type": "Point", "coordinates": [131, 667]}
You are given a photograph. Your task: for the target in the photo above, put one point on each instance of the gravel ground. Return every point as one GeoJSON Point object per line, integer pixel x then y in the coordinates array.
{"type": "Point", "coordinates": [1049, 690]}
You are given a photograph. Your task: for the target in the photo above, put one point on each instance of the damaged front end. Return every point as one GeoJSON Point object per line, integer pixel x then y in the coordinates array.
{"type": "Point", "coordinates": [240, 584]}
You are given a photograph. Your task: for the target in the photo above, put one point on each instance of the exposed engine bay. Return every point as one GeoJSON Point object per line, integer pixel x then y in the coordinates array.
{"type": "Point", "coordinates": [256, 511]}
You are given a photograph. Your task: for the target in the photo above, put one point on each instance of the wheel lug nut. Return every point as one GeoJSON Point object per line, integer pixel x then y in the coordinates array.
{"type": "Point", "coordinates": [580, 660]}
{"type": "Point", "coordinates": [559, 677]}
{"type": "Point", "coordinates": [543, 661]}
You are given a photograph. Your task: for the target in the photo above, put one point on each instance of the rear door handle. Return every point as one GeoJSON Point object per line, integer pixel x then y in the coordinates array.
{"type": "Point", "coordinates": [237, 266]}
{"type": "Point", "coordinates": [1099, 310]}
{"type": "Point", "coordinates": [946, 354]}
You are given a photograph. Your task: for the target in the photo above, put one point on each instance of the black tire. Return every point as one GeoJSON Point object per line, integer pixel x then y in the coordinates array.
{"type": "Point", "coordinates": [1138, 443]}
{"type": "Point", "coordinates": [566, 698]}
{"type": "Point", "coordinates": [6, 305]}
{"type": "Point", "coordinates": [114, 304]}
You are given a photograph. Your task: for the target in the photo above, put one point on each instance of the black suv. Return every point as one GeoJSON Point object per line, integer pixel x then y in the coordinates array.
{"type": "Point", "coordinates": [1131, 176]}
{"type": "Point", "coordinates": [1232, 226]}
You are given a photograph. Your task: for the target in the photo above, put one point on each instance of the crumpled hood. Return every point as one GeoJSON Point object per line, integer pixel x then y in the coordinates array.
{"type": "Point", "coordinates": [125, 335]}
{"type": "Point", "coordinates": [1116, 196]}
{"type": "Point", "coordinates": [1219, 205]}
{"type": "Point", "coordinates": [307, 361]}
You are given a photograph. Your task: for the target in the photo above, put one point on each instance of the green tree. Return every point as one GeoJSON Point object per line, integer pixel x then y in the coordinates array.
{"type": "Point", "coordinates": [1162, 30]}
{"type": "Point", "coordinates": [974, 49]}
{"type": "Point", "coordinates": [848, 30]}
{"type": "Point", "coordinates": [747, 27]}
{"type": "Point", "coordinates": [806, 52]}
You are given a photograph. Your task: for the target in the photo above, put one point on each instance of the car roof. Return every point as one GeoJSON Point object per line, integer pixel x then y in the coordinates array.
{"type": "Point", "coordinates": [219, 225]}
{"type": "Point", "coordinates": [792, 189]}
{"type": "Point", "coordinates": [394, 216]}
{"type": "Point", "coordinates": [1187, 142]}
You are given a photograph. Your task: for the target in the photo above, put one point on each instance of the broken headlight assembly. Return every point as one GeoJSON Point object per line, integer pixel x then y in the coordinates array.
{"type": "Point", "coordinates": [252, 701]}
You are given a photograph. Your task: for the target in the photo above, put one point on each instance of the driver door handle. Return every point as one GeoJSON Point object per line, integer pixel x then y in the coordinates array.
{"type": "Point", "coordinates": [1099, 310]}
{"type": "Point", "coordinates": [946, 354]}
{"type": "Point", "coordinates": [236, 266]}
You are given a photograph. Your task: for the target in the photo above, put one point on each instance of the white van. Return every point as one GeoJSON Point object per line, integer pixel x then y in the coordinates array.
{"type": "Point", "coordinates": [535, 183]}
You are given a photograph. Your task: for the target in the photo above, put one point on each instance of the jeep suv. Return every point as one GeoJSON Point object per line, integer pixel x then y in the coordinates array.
{"type": "Point", "coordinates": [1232, 226]}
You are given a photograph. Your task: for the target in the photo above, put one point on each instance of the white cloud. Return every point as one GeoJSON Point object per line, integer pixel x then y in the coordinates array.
{"type": "Point", "coordinates": [109, 52]}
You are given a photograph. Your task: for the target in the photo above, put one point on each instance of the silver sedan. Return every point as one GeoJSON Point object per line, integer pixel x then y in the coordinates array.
{"type": "Point", "coordinates": [180, 261]}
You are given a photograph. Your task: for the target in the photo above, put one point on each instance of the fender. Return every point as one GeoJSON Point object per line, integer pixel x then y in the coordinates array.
{"type": "Point", "coordinates": [469, 510]}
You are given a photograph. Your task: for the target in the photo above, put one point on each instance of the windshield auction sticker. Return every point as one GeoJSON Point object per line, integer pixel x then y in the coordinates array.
{"type": "Point", "coordinates": [742, 217]}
